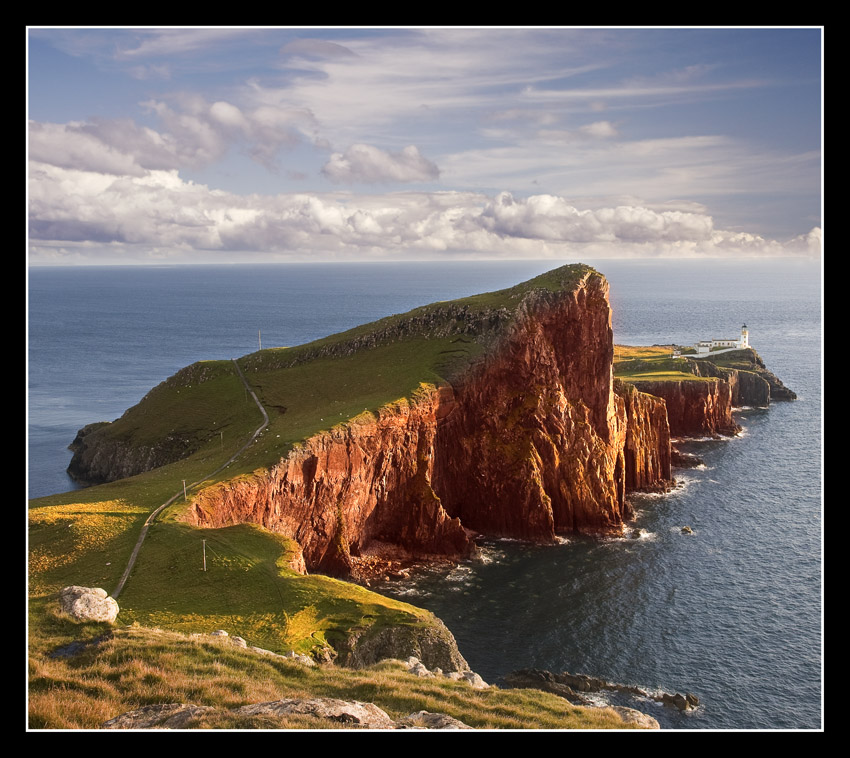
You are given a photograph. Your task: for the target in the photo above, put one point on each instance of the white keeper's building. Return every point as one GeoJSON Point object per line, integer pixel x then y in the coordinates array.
{"type": "Point", "coordinates": [706, 346]}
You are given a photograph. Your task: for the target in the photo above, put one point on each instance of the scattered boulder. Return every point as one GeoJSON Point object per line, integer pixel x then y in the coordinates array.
{"type": "Point", "coordinates": [427, 720]}
{"type": "Point", "coordinates": [678, 459]}
{"type": "Point", "coordinates": [351, 713]}
{"type": "Point", "coordinates": [219, 633]}
{"type": "Point", "coordinates": [475, 681]}
{"type": "Point", "coordinates": [160, 716]}
{"type": "Point", "coordinates": [415, 666]}
{"type": "Point", "coordinates": [88, 604]}
{"type": "Point", "coordinates": [419, 669]}
{"type": "Point", "coordinates": [682, 702]}
{"type": "Point", "coordinates": [631, 716]}
{"type": "Point", "coordinates": [304, 660]}
{"type": "Point", "coordinates": [569, 686]}
{"type": "Point", "coordinates": [238, 641]}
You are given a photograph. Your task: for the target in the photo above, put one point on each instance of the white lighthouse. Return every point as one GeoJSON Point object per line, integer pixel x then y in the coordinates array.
{"type": "Point", "coordinates": [745, 338]}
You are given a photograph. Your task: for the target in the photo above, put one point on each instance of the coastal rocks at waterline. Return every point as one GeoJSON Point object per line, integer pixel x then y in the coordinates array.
{"type": "Point", "coordinates": [575, 687]}
{"type": "Point", "coordinates": [88, 604]}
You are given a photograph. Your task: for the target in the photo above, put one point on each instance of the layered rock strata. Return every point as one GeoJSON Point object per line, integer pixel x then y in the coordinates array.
{"type": "Point", "coordinates": [696, 408]}
{"type": "Point", "coordinates": [530, 442]}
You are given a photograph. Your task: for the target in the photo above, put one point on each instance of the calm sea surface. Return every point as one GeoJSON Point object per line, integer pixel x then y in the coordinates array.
{"type": "Point", "coordinates": [731, 613]}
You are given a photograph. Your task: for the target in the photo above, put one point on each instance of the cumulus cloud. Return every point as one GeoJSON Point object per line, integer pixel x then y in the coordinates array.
{"type": "Point", "coordinates": [74, 209]}
{"type": "Point", "coordinates": [552, 218]}
{"type": "Point", "coordinates": [195, 135]}
{"type": "Point", "coordinates": [366, 163]}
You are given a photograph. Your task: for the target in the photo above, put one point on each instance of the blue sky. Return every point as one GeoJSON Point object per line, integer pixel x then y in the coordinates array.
{"type": "Point", "coordinates": [262, 144]}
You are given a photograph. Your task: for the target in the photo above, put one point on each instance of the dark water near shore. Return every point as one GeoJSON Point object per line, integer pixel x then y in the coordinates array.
{"type": "Point", "coordinates": [731, 613]}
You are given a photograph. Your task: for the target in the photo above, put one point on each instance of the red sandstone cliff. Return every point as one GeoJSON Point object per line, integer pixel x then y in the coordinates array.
{"type": "Point", "coordinates": [529, 443]}
{"type": "Point", "coordinates": [647, 447]}
{"type": "Point", "coordinates": [696, 408]}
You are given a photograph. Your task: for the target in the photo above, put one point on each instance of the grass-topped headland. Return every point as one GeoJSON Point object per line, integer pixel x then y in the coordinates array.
{"type": "Point", "coordinates": [204, 410]}
{"type": "Point", "coordinates": [184, 431]}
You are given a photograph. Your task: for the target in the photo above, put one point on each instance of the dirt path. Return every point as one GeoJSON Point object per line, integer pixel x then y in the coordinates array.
{"type": "Point", "coordinates": [153, 516]}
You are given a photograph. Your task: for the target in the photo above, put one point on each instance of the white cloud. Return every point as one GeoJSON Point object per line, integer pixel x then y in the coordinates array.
{"type": "Point", "coordinates": [194, 136]}
{"type": "Point", "coordinates": [365, 163]}
{"type": "Point", "coordinates": [599, 130]}
{"type": "Point", "coordinates": [74, 210]}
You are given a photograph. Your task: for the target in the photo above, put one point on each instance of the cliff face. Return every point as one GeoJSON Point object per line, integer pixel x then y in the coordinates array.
{"type": "Point", "coordinates": [531, 442]}
{"type": "Point", "coordinates": [696, 408]}
{"type": "Point", "coordinates": [98, 458]}
{"type": "Point", "coordinates": [369, 479]}
{"type": "Point", "coordinates": [533, 445]}
{"type": "Point", "coordinates": [647, 447]}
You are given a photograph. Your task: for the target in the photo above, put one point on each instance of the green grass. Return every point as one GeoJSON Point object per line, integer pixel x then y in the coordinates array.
{"type": "Point", "coordinates": [135, 666]}
{"type": "Point", "coordinates": [249, 590]}
{"type": "Point", "coordinates": [663, 376]}
{"type": "Point", "coordinates": [633, 364]}
{"type": "Point", "coordinates": [85, 537]}
{"type": "Point", "coordinates": [194, 408]}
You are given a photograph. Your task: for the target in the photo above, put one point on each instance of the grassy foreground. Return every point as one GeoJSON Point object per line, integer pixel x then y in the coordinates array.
{"type": "Point", "coordinates": [127, 668]}
{"type": "Point", "coordinates": [85, 538]}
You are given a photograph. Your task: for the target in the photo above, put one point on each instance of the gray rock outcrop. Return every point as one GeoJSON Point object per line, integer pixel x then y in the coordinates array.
{"type": "Point", "coordinates": [88, 604]}
{"type": "Point", "coordinates": [160, 716]}
{"type": "Point", "coordinates": [433, 645]}
{"type": "Point", "coordinates": [352, 713]}
{"type": "Point", "coordinates": [349, 713]}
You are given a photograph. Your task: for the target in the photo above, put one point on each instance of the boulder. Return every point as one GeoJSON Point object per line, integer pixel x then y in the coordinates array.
{"type": "Point", "coordinates": [88, 604]}
{"type": "Point", "coordinates": [351, 713]}
{"type": "Point", "coordinates": [475, 681]}
{"type": "Point", "coordinates": [631, 716]}
{"type": "Point", "coordinates": [160, 716]}
{"type": "Point", "coordinates": [427, 720]}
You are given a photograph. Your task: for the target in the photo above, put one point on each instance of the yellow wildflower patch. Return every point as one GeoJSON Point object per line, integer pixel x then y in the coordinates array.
{"type": "Point", "coordinates": [60, 534]}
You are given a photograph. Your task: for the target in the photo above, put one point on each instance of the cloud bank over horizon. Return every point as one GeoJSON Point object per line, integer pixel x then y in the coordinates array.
{"type": "Point", "coordinates": [410, 144]}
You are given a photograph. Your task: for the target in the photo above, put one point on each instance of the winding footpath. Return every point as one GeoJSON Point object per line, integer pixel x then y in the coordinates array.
{"type": "Point", "coordinates": [153, 516]}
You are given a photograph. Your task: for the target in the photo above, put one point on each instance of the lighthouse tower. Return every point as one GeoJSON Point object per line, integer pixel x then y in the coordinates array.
{"type": "Point", "coordinates": [745, 338]}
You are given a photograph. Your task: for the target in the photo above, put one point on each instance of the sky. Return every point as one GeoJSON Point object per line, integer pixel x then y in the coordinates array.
{"type": "Point", "coordinates": [259, 144]}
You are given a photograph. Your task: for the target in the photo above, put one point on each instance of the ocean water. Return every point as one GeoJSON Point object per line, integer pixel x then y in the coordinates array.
{"type": "Point", "coordinates": [731, 613]}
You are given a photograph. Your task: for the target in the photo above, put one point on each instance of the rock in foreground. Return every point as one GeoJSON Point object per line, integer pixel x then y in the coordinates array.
{"type": "Point", "coordinates": [88, 604]}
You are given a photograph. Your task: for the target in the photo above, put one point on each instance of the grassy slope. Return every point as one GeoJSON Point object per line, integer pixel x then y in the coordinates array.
{"type": "Point", "coordinates": [85, 537]}
{"type": "Point", "coordinates": [136, 666]}
{"type": "Point", "coordinates": [633, 364]}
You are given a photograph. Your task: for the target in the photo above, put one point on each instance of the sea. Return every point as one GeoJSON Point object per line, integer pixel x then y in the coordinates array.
{"type": "Point", "coordinates": [732, 613]}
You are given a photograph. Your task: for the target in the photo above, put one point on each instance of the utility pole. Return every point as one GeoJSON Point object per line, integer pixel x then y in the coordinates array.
{"type": "Point", "coordinates": [260, 338]}
{"type": "Point", "coordinates": [205, 555]}
{"type": "Point", "coordinates": [184, 490]}
{"type": "Point", "coordinates": [222, 439]}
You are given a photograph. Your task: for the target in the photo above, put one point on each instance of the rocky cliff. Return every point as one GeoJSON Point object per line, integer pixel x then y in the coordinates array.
{"type": "Point", "coordinates": [647, 448]}
{"type": "Point", "coordinates": [695, 408]}
{"type": "Point", "coordinates": [529, 441]}
{"type": "Point", "coordinates": [517, 427]}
